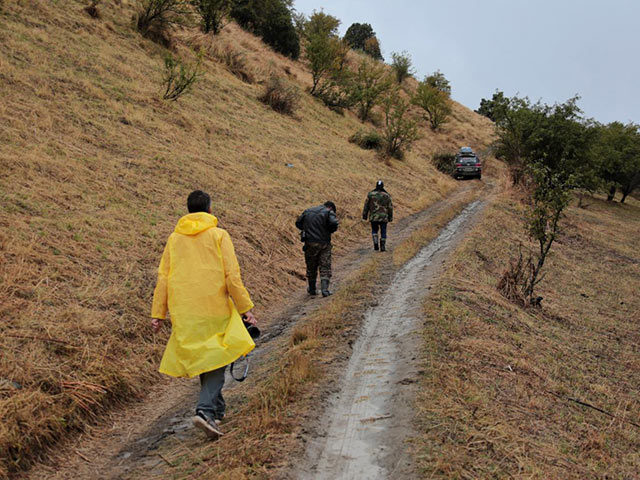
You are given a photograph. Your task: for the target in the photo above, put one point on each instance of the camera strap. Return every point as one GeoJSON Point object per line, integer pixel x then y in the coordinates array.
{"type": "Point", "coordinates": [244, 373]}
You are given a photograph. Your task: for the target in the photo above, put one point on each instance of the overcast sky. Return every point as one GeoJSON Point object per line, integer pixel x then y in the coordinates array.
{"type": "Point", "coordinates": [544, 49]}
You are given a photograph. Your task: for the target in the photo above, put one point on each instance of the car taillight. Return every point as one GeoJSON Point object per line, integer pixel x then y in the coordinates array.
{"type": "Point", "coordinates": [458, 164]}
{"type": "Point", "coordinates": [478, 165]}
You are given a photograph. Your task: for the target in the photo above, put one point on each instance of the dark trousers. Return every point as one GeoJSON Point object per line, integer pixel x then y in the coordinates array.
{"type": "Point", "coordinates": [318, 257]}
{"type": "Point", "coordinates": [382, 226]}
{"type": "Point", "coordinates": [211, 402]}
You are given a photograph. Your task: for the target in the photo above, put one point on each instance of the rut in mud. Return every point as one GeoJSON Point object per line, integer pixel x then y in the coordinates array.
{"type": "Point", "coordinates": [366, 423]}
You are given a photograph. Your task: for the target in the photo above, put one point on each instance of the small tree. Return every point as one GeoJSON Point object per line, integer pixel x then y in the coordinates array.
{"type": "Point", "coordinates": [402, 66]}
{"type": "Point", "coordinates": [434, 103]}
{"type": "Point", "coordinates": [179, 77]}
{"type": "Point", "coordinates": [550, 197]}
{"type": "Point", "coordinates": [372, 48]}
{"type": "Point", "coordinates": [400, 131]}
{"type": "Point", "coordinates": [320, 23]}
{"type": "Point", "coordinates": [553, 144]}
{"type": "Point", "coordinates": [357, 34]}
{"type": "Point", "coordinates": [368, 85]}
{"type": "Point", "coordinates": [212, 14]}
{"type": "Point", "coordinates": [156, 16]}
{"type": "Point", "coordinates": [325, 52]}
{"type": "Point", "coordinates": [438, 81]}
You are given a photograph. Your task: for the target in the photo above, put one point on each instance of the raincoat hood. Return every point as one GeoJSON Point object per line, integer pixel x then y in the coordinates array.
{"type": "Point", "coordinates": [195, 223]}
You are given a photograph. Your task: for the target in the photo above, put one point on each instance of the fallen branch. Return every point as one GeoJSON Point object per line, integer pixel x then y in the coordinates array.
{"type": "Point", "coordinates": [597, 409]}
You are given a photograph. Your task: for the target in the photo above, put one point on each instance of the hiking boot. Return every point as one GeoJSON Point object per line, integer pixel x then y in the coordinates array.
{"type": "Point", "coordinates": [208, 426]}
{"type": "Point", "coordinates": [375, 241]}
{"type": "Point", "coordinates": [383, 245]}
{"type": "Point", "coordinates": [324, 286]}
{"type": "Point", "coordinates": [311, 289]}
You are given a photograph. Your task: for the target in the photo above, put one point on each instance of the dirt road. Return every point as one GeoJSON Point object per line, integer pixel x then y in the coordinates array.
{"type": "Point", "coordinates": [372, 405]}
{"type": "Point", "coordinates": [365, 426]}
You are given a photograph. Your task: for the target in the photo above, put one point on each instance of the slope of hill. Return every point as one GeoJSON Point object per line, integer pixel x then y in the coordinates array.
{"type": "Point", "coordinates": [94, 171]}
{"type": "Point", "coordinates": [536, 393]}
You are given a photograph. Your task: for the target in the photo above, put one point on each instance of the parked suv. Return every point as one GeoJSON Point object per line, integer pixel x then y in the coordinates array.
{"type": "Point", "coordinates": [467, 164]}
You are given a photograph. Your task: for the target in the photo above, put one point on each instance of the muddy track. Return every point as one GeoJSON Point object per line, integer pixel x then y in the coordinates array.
{"type": "Point", "coordinates": [128, 441]}
{"type": "Point", "coordinates": [365, 424]}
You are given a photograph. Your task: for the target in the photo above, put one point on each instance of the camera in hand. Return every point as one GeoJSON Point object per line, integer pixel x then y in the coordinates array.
{"type": "Point", "coordinates": [252, 329]}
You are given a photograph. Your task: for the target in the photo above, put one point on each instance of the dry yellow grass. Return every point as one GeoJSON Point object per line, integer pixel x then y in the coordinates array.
{"type": "Point", "coordinates": [501, 386]}
{"type": "Point", "coordinates": [94, 171]}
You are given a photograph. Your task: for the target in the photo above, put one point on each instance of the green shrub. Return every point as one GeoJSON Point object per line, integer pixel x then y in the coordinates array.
{"type": "Point", "coordinates": [179, 77]}
{"type": "Point", "coordinates": [402, 66]}
{"type": "Point", "coordinates": [444, 162]}
{"type": "Point", "coordinates": [367, 86]}
{"type": "Point", "coordinates": [434, 102]}
{"type": "Point", "coordinates": [280, 96]}
{"type": "Point", "coordinates": [369, 140]}
{"type": "Point", "coordinates": [212, 14]}
{"type": "Point", "coordinates": [400, 130]}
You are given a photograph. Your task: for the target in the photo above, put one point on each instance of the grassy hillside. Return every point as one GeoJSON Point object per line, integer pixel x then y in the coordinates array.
{"type": "Point", "coordinates": [537, 393]}
{"type": "Point", "coordinates": [94, 172]}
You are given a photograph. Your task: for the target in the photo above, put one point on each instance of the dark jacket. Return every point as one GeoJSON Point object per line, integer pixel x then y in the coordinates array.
{"type": "Point", "coordinates": [318, 223]}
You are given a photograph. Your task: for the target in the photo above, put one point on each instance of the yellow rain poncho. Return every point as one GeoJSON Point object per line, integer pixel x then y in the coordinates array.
{"type": "Point", "coordinates": [197, 279]}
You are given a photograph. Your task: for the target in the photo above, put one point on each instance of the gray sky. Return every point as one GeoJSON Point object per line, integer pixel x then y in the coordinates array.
{"type": "Point", "coordinates": [544, 49]}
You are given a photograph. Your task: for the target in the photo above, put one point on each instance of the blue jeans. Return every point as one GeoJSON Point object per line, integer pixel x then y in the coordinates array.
{"type": "Point", "coordinates": [382, 226]}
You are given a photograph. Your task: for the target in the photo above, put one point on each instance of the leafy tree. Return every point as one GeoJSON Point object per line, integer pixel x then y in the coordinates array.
{"type": "Point", "coordinates": [400, 131]}
{"type": "Point", "coordinates": [617, 150]}
{"type": "Point", "coordinates": [402, 66]}
{"type": "Point", "coordinates": [212, 14]}
{"type": "Point", "coordinates": [320, 23]}
{"type": "Point", "coordinates": [516, 122]}
{"type": "Point", "coordinates": [272, 20]}
{"type": "Point", "coordinates": [357, 34]}
{"type": "Point", "coordinates": [368, 85]}
{"type": "Point", "coordinates": [553, 144]}
{"type": "Point", "coordinates": [438, 81]}
{"type": "Point", "coordinates": [434, 103]}
{"type": "Point", "coordinates": [360, 36]}
{"type": "Point", "coordinates": [325, 52]}
{"type": "Point", "coordinates": [494, 108]}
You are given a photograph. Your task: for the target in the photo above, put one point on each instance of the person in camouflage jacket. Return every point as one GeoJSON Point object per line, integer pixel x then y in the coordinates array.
{"type": "Point", "coordinates": [378, 208]}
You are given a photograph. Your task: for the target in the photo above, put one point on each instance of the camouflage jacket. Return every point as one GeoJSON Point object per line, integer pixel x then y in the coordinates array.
{"type": "Point", "coordinates": [378, 207]}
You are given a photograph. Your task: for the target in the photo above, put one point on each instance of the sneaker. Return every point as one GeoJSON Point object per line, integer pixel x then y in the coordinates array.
{"type": "Point", "coordinates": [208, 426]}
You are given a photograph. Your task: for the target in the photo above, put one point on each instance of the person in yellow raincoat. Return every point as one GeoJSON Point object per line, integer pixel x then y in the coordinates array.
{"type": "Point", "coordinates": [199, 284]}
